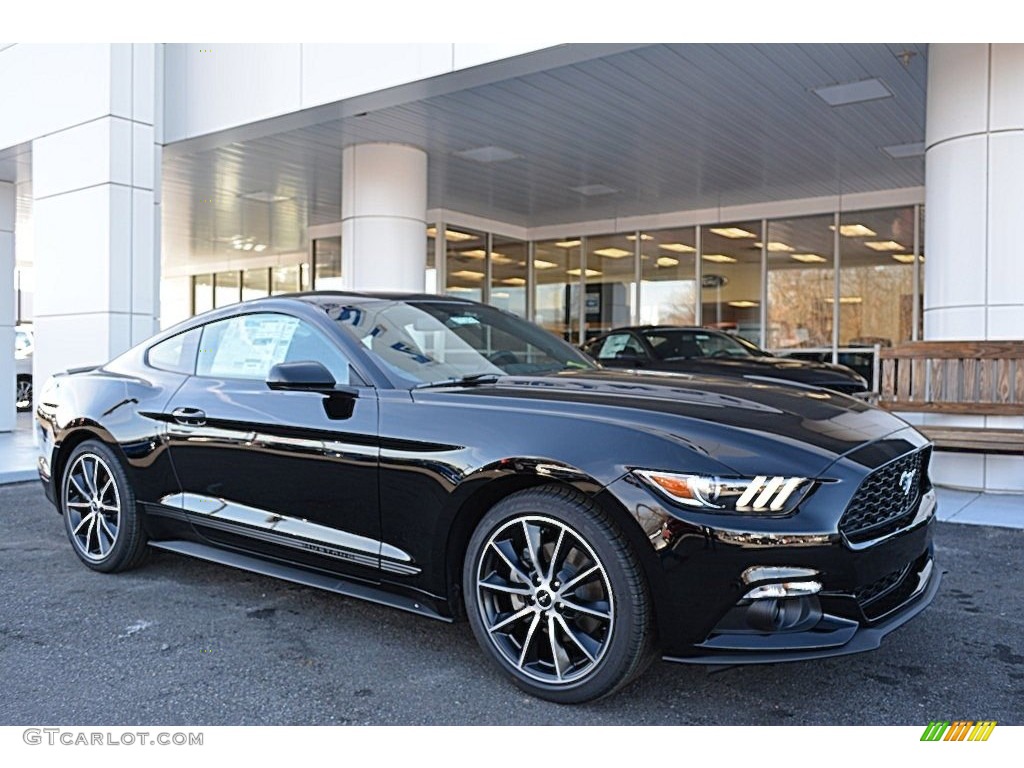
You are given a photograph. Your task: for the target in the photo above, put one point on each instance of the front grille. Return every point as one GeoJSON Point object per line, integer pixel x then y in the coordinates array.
{"type": "Point", "coordinates": [881, 597]}
{"type": "Point", "coordinates": [873, 591]}
{"type": "Point", "coordinates": [881, 505]}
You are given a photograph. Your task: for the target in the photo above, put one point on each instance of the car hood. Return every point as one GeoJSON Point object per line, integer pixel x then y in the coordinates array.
{"type": "Point", "coordinates": [740, 423]}
{"type": "Point", "coordinates": [787, 368]}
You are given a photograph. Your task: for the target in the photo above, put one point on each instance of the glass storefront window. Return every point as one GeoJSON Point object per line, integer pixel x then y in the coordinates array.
{"type": "Point", "coordinates": [731, 283]}
{"type": "Point", "coordinates": [227, 288]}
{"type": "Point", "coordinates": [801, 282]}
{"type": "Point", "coordinates": [668, 286]}
{"type": "Point", "coordinates": [327, 264]}
{"type": "Point", "coordinates": [430, 279]}
{"type": "Point", "coordinates": [508, 274]}
{"type": "Point", "coordinates": [556, 272]}
{"type": "Point", "coordinates": [286, 280]}
{"type": "Point", "coordinates": [255, 283]}
{"type": "Point", "coordinates": [466, 263]}
{"type": "Point", "coordinates": [202, 293]}
{"type": "Point", "coordinates": [876, 280]}
{"type": "Point", "coordinates": [611, 283]}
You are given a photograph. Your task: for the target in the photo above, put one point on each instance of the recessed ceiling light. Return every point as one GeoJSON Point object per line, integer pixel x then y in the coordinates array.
{"type": "Point", "coordinates": [460, 289]}
{"type": "Point", "coordinates": [499, 258]}
{"type": "Point", "coordinates": [499, 295]}
{"type": "Point", "coordinates": [632, 238]}
{"type": "Point", "coordinates": [451, 234]}
{"type": "Point", "coordinates": [541, 264]}
{"type": "Point", "coordinates": [733, 233]}
{"type": "Point", "coordinates": [594, 190]}
{"type": "Point", "coordinates": [476, 253]}
{"type": "Point", "coordinates": [901, 151]}
{"type": "Point", "coordinates": [667, 261]}
{"type": "Point", "coordinates": [259, 247]}
{"type": "Point", "coordinates": [846, 300]}
{"type": "Point", "coordinates": [567, 243]}
{"type": "Point", "coordinates": [853, 93]}
{"type": "Point", "coordinates": [777, 247]}
{"type": "Point", "coordinates": [906, 258]}
{"type": "Point", "coordinates": [678, 247]}
{"type": "Point", "coordinates": [743, 304]}
{"type": "Point", "coordinates": [468, 274]}
{"type": "Point", "coordinates": [719, 258]}
{"type": "Point", "coordinates": [488, 154]}
{"type": "Point", "coordinates": [613, 253]}
{"type": "Point", "coordinates": [262, 196]}
{"type": "Point", "coordinates": [853, 230]}
{"type": "Point", "coordinates": [885, 246]}
{"type": "Point", "coordinates": [514, 281]}
{"type": "Point", "coordinates": [576, 272]}
{"type": "Point", "coordinates": [808, 258]}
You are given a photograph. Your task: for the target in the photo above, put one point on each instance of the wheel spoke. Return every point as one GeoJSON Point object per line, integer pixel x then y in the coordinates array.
{"type": "Point", "coordinates": [597, 609]}
{"type": "Point", "coordinates": [109, 508]}
{"type": "Point", "coordinates": [85, 519]}
{"type": "Point", "coordinates": [578, 579]}
{"type": "Point", "coordinates": [510, 559]}
{"type": "Point", "coordinates": [511, 619]}
{"type": "Point", "coordinates": [578, 641]}
{"type": "Point", "coordinates": [557, 651]}
{"type": "Point", "coordinates": [532, 545]}
{"type": "Point", "coordinates": [77, 504]}
{"type": "Point", "coordinates": [106, 527]}
{"type": "Point", "coordinates": [498, 584]}
{"type": "Point", "coordinates": [529, 639]}
{"type": "Point", "coordinates": [78, 488]}
{"type": "Point", "coordinates": [90, 480]}
{"type": "Point", "coordinates": [100, 536]}
{"type": "Point", "coordinates": [88, 533]}
{"type": "Point", "coordinates": [554, 554]}
{"type": "Point", "coordinates": [102, 494]}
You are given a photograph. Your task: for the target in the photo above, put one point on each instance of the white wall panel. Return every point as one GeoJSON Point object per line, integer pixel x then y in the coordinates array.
{"type": "Point", "coordinates": [954, 324]}
{"type": "Point", "coordinates": [1005, 206]}
{"type": "Point", "coordinates": [82, 157]}
{"type": "Point", "coordinates": [956, 196]}
{"type": "Point", "coordinates": [51, 87]}
{"type": "Point", "coordinates": [960, 105]}
{"type": "Point", "coordinates": [472, 54]}
{"type": "Point", "coordinates": [1007, 87]}
{"type": "Point", "coordinates": [210, 87]}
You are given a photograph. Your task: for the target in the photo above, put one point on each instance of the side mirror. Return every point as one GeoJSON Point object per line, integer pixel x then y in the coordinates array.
{"type": "Point", "coordinates": [300, 376]}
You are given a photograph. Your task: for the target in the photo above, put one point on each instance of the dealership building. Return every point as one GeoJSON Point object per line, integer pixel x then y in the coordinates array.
{"type": "Point", "coordinates": [832, 199]}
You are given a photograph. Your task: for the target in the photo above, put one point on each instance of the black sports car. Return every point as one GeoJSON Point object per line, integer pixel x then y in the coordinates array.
{"type": "Point", "coordinates": [449, 459]}
{"type": "Point", "coordinates": [707, 352]}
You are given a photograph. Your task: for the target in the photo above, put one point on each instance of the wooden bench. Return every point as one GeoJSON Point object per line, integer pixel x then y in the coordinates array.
{"type": "Point", "coordinates": [967, 378]}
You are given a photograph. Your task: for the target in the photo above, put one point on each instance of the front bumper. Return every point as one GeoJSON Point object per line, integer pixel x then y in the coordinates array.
{"type": "Point", "coordinates": [867, 589]}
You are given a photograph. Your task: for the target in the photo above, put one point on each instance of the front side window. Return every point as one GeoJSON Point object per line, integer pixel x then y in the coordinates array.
{"type": "Point", "coordinates": [425, 341]}
{"type": "Point", "coordinates": [674, 345]}
{"type": "Point", "coordinates": [620, 344]}
{"type": "Point", "coordinates": [248, 346]}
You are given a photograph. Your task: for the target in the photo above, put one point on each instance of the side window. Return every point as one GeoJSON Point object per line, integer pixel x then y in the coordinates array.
{"type": "Point", "coordinates": [620, 342]}
{"type": "Point", "coordinates": [248, 346]}
{"type": "Point", "coordinates": [177, 354]}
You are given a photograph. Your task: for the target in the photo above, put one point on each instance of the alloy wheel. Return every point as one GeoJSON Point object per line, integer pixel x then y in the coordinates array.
{"type": "Point", "coordinates": [545, 600]}
{"type": "Point", "coordinates": [93, 506]}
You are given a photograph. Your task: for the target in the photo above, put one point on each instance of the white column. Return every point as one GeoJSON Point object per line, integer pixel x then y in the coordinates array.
{"type": "Point", "coordinates": [96, 218]}
{"type": "Point", "coordinates": [7, 318]}
{"type": "Point", "coordinates": [974, 196]}
{"type": "Point", "coordinates": [383, 217]}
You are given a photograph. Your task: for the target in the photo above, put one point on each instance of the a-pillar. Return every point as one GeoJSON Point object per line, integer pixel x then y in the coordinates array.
{"type": "Point", "coordinates": [7, 300]}
{"type": "Point", "coordinates": [383, 217]}
{"type": "Point", "coordinates": [974, 195]}
{"type": "Point", "coordinates": [96, 218]}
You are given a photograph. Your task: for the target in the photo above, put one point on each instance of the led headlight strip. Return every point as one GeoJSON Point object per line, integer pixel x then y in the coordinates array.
{"type": "Point", "coordinates": [759, 494]}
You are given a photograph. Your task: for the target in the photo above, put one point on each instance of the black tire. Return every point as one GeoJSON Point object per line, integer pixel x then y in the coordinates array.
{"type": "Point", "coordinates": [23, 393]}
{"type": "Point", "coordinates": [602, 622]}
{"type": "Point", "coordinates": [92, 484]}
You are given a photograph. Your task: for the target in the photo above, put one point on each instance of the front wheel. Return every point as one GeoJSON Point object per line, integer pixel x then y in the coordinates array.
{"type": "Point", "coordinates": [556, 597]}
{"type": "Point", "coordinates": [23, 393]}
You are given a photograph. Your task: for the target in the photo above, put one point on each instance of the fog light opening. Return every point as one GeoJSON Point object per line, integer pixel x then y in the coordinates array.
{"type": "Point", "coordinates": [784, 589]}
{"type": "Point", "coordinates": [790, 614]}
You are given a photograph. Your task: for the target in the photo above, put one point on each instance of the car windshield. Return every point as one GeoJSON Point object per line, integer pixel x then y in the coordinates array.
{"type": "Point", "coordinates": [677, 344]}
{"type": "Point", "coordinates": [426, 341]}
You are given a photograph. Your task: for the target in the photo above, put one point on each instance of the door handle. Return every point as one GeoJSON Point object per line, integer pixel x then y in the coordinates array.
{"type": "Point", "coordinates": [192, 417]}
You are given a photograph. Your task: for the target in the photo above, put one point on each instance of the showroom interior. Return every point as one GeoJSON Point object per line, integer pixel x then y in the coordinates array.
{"type": "Point", "coordinates": [774, 191]}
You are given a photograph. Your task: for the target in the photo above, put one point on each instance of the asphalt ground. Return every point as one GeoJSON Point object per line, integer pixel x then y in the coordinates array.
{"type": "Point", "coordinates": [184, 642]}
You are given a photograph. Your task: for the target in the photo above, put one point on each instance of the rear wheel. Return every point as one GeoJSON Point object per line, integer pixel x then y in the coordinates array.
{"type": "Point", "coordinates": [556, 597]}
{"type": "Point", "coordinates": [99, 510]}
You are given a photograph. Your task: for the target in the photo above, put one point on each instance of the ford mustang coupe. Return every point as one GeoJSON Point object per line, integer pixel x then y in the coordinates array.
{"type": "Point", "coordinates": [447, 458]}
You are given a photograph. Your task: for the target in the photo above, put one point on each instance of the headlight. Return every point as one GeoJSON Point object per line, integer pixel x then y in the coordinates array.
{"type": "Point", "coordinates": [730, 494]}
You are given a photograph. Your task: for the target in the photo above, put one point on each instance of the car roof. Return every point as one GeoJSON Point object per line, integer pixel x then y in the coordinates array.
{"type": "Point", "coordinates": [321, 297]}
{"type": "Point", "coordinates": [645, 328]}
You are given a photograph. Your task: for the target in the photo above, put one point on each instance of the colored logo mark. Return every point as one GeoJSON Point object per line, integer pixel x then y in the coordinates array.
{"type": "Point", "coordinates": [959, 730]}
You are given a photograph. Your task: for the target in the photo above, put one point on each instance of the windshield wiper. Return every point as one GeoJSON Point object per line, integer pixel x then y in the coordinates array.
{"type": "Point", "coordinates": [471, 380]}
